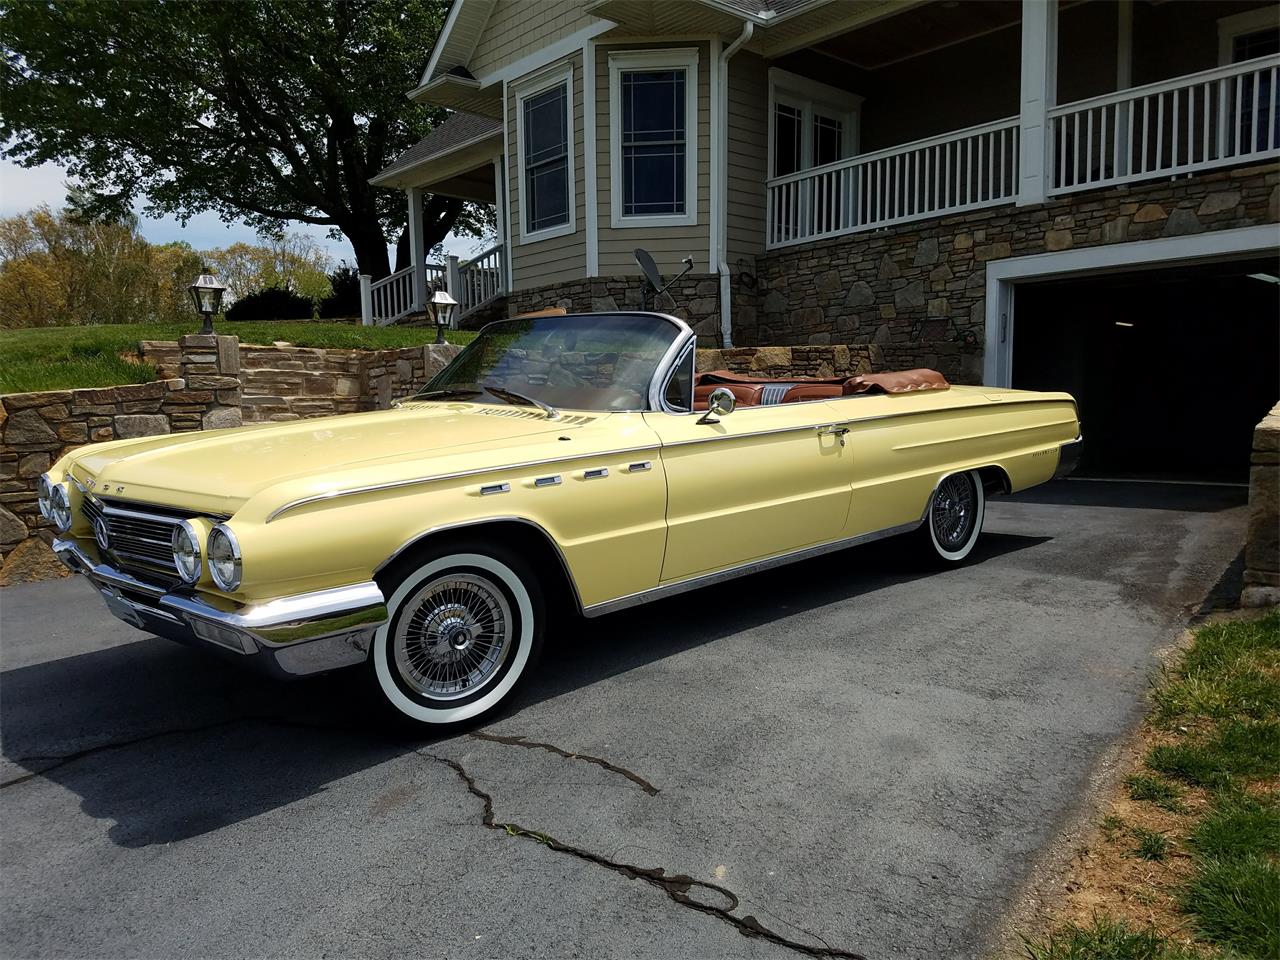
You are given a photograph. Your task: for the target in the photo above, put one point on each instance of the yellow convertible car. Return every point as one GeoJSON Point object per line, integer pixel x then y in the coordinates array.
{"type": "Point", "coordinates": [559, 461]}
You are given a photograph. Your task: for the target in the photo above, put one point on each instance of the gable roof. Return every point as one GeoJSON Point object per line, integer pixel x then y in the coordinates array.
{"type": "Point", "coordinates": [459, 131]}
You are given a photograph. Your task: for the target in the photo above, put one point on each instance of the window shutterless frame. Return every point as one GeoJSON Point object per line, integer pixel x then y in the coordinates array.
{"type": "Point", "coordinates": [538, 91]}
{"type": "Point", "coordinates": [622, 62]}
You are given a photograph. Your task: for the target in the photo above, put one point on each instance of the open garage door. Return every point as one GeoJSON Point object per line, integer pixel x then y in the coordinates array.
{"type": "Point", "coordinates": [1171, 367]}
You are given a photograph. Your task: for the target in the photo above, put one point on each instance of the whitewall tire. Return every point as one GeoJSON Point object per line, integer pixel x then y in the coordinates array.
{"type": "Point", "coordinates": [954, 517]}
{"type": "Point", "coordinates": [464, 628]}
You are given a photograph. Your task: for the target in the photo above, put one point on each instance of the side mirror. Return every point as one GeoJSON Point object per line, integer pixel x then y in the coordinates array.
{"type": "Point", "coordinates": [721, 403]}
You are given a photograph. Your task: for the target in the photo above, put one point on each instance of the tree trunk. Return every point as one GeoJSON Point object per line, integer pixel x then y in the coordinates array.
{"type": "Point", "coordinates": [370, 247]}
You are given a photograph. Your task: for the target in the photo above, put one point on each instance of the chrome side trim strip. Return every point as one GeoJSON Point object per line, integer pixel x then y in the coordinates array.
{"type": "Point", "coordinates": [417, 481]}
{"type": "Point", "coordinates": [551, 481]}
{"type": "Point", "coordinates": [663, 591]}
{"type": "Point", "coordinates": [598, 473]}
{"type": "Point", "coordinates": [489, 489]}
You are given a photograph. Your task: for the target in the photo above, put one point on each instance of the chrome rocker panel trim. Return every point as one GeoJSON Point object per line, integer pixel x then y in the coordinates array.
{"type": "Point", "coordinates": [287, 637]}
{"type": "Point", "coordinates": [1068, 457]}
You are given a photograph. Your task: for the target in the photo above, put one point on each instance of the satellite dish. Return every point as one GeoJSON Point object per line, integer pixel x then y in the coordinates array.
{"type": "Point", "coordinates": [649, 269]}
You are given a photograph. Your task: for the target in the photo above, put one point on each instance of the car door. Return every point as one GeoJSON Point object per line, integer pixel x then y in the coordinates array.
{"type": "Point", "coordinates": [764, 480]}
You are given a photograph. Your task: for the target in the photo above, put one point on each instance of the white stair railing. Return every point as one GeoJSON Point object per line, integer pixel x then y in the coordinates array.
{"type": "Point", "coordinates": [480, 280]}
{"type": "Point", "coordinates": [392, 296]}
{"type": "Point", "coordinates": [962, 170]}
{"type": "Point", "coordinates": [1194, 122]}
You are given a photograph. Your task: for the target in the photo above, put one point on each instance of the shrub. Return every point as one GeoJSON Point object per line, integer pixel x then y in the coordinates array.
{"type": "Point", "coordinates": [345, 299]}
{"type": "Point", "coordinates": [270, 304]}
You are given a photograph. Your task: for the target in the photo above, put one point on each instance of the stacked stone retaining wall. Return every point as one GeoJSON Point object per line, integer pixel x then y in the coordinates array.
{"type": "Point", "coordinates": [1262, 546]}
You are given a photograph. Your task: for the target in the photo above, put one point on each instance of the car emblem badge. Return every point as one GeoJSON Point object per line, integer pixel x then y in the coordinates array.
{"type": "Point", "coordinates": [101, 533]}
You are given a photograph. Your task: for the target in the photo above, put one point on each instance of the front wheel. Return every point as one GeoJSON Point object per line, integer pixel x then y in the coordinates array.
{"type": "Point", "coordinates": [465, 627]}
{"type": "Point", "coordinates": [954, 518]}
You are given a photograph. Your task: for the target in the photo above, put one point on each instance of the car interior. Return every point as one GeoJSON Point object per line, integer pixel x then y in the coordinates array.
{"type": "Point", "coordinates": [765, 391]}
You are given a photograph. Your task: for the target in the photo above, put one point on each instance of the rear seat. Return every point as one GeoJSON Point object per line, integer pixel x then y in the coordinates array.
{"type": "Point", "coordinates": [766, 391]}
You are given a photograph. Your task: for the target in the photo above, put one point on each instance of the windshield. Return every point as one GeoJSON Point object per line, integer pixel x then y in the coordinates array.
{"type": "Point", "coordinates": [600, 361]}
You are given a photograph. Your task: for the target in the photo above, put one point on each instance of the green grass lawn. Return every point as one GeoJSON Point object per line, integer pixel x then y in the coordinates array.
{"type": "Point", "coordinates": [63, 358]}
{"type": "Point", "coordinates": [1219, 710]}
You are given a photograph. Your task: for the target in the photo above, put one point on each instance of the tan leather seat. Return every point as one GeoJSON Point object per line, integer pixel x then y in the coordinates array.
{"type": "Point", "coordinates": [802, 392]}
{"type": "Point", "coordinates": [746, 394]}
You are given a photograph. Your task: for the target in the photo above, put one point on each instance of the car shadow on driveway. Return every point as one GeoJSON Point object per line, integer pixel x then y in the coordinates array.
{"type": "Point", "coordinates": [168, 743]}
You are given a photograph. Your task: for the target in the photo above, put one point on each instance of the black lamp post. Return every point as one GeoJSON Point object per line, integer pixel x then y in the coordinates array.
{"type": "Point", "coordinates": [206, 294]}
{"type": "Point", "coordinates": [440, 308]}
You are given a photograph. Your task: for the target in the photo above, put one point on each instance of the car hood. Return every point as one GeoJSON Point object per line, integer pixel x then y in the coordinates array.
{"type": "Point", "coordinates": [216, 471]}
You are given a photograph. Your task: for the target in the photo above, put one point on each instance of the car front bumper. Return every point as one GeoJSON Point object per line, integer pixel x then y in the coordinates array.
{"type": "Point", "coordinates": [1068, 458]}
{"type": "Point", "coordinates": [286, 637]}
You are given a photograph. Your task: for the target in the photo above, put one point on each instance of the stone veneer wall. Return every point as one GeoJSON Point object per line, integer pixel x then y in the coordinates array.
{"type": "Point", "coordinates": [695, 299]}
{"type": "Point", "coordinates": [284, 382]}
{"type": "Point", "coordinates": [918, 290]}
{"type": "Point", "coordinates": [38, 428]}
{"type": "Point", "coordinates": [1262, 544]}
{"type": "Point", "coordinates": [833, 361]}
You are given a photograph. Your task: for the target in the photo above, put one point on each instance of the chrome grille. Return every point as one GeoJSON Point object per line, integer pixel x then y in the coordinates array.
{"type": "Point", "coordinates": [137, 536]}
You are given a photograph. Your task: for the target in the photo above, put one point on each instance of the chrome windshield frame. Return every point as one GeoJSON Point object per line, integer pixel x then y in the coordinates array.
{"type": "Point", "coordinates": [661, 371]}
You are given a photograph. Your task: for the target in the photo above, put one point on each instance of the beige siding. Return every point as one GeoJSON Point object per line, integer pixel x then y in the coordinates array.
{"type": "Point", "coordinates": [667, 244]}
{"type": "Point", "coordinates": [557, 259]}
{"type": "Point", "coordinates": [748, 150]}
{"type": "Point", "coordinates": [518, 28]}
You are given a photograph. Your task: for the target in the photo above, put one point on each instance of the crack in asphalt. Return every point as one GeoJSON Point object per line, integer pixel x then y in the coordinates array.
{"type": "Point", "coordinates": [518, 741]}
{"type": "Point", "coordinates": [675, 886]}
{"type": "Point", "coordinates": [61, 760]}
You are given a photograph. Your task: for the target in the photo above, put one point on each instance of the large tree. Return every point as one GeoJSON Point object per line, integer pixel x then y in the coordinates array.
{"type": "Point", "coordinates": [267, 111]}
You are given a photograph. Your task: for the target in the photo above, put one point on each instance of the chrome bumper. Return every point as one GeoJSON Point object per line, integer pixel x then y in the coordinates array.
{"type": "Point", "coordinates": [287, 637]}
{"type": "Point", "coordinates": [1068, 458]}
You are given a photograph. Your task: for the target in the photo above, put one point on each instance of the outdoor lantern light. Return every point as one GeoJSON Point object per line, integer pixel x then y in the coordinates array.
{"type": "Point", "coordinates": [440, 308]}
{"type": "Point", "coordinates": [206, 294]}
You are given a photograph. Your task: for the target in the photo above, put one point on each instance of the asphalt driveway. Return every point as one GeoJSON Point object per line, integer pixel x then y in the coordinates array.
{"type": "Point", "coordinates": [852, 755]}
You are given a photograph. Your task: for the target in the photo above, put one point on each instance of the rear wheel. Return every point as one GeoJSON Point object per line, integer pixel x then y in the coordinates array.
{"type": "Point", "coordinates": [465, 627]}
{"type": "Point", "coordinates": [954, 518]}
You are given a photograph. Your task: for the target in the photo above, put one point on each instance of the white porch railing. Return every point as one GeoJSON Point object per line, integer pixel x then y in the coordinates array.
{"type": "Point", "coordinates": [472, 284]}
{"type": "Point", "coordinates": [963, 170]}
{"type": "Point", "coordinates": [1178, 126]}
{"type": "Point", "coordinates": [480, 280]}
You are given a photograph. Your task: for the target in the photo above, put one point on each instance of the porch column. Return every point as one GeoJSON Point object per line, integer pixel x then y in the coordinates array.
{"type": "Point", "coordinates": [417, 255]}
{"type": "Point", "coordinates": [1038, 93]}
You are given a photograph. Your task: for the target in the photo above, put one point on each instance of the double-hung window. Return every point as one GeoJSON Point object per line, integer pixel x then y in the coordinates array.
{"type": "Point", "coordinates": [653, 123]}
{"type": "Point", "coordinates": [544, 120]}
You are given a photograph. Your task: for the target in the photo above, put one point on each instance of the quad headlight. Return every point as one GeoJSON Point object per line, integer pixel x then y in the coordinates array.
{"type": "Point", "coordinates": [44, 492]}
{"type": "Point", "coordinates": [224, 558]}
{"type": "Point", "coordinates": [59, 507]}
{"type": "Point", "coordinates": [186, 552]}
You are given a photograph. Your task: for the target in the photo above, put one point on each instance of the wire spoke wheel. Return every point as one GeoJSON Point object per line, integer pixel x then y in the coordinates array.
{"type": "Point", "coordinates": [454, 637]}
{"type": "Point", "coordinates": [954, 510]}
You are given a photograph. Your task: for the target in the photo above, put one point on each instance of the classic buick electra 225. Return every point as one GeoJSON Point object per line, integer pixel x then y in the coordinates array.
{"type": "Point", "coordinates": [558, 461]}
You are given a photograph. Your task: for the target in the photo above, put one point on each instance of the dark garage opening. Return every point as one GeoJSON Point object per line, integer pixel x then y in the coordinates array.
{"type": "Point", "coordinates": [1171, 367]}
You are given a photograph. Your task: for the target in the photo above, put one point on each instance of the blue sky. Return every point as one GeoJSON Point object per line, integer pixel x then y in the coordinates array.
{"type": "Point", "coordinates": [21, 189]}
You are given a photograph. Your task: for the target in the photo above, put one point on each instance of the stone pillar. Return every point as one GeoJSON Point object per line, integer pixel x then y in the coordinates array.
{"type": "Point", "coordinates": [210, 368]}
{"type": "Point", "coordinates": [1262, 544]}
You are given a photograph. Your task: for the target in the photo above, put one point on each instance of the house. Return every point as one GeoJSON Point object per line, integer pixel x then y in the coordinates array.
{"type": "Point", "coordinates": [1069, 193]}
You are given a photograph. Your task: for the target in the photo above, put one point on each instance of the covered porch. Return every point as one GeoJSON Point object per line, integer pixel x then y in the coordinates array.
{"type": "Point", "coordinates": [461, 158]}
{"type": "Point", "coordinates": [1052, 98]}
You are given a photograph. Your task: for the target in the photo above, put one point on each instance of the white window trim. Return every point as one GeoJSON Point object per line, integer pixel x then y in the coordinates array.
{"type": "Point", "coordinates": [541, 82]}
{"type": "Point", "coordinates": [621, 61]}
{"type": "Point", "coordinates": [806, 95]}
{"type": "Point", "coordinates": [1240, 24]}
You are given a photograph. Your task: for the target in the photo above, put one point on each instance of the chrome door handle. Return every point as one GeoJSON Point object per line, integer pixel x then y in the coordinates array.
{"type": "Point", "coordinates": [833, 430]}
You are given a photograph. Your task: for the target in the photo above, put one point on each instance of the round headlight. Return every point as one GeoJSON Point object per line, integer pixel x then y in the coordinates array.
{"type": "Point", "coordinates": [186, 552]}
{"type": "Point", "coordinates": [44, 490]}
{"type": "Point", "coordinates": [224, 558]}
{"type": "Point", "coordinates": [60, 507]}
